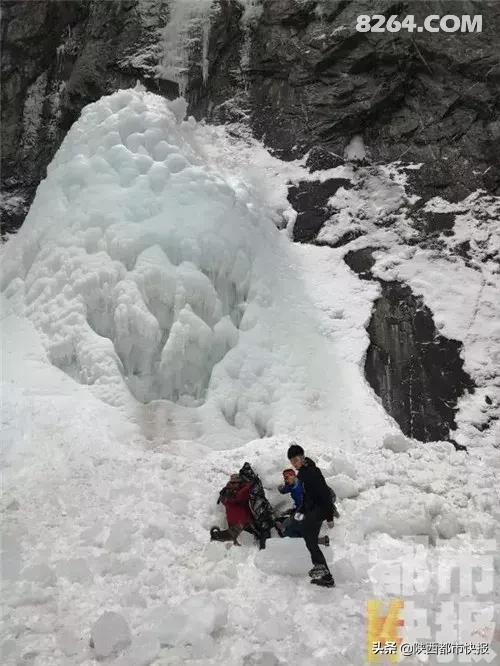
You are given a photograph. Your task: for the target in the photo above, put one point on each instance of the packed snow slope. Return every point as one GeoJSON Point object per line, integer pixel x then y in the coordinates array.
{"type": "Point", "coordinates": [158, 330]}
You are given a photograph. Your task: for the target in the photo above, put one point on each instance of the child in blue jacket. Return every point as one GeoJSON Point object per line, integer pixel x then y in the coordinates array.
{"type": "Point", "coordinates": [293, 486]}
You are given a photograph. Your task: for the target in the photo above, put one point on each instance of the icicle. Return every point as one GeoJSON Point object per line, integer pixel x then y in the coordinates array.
{"type": "Point", "coordinates": [204, 57]}
{"type": "Point", "coordinates": [189, 22]}
{"type": "Point", "coordinates": [60, 51]}
{"type": "Point", "coordinates": [250, 16]}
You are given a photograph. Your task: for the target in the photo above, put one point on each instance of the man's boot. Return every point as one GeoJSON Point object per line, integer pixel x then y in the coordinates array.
{"type": "Point", "coordinates": [324, 581]}
{"type": "Point", "coordinates": [322, 576]}
{"type": "Point", "coordinates": [318, 570]}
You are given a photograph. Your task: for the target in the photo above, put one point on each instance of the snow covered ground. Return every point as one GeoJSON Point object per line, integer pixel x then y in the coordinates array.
{"type": "Point", "coordinates": [158, 330]}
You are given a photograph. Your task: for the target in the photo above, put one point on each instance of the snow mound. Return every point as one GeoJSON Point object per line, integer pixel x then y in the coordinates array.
{"type": "Point", "coordinates": [109, 635]}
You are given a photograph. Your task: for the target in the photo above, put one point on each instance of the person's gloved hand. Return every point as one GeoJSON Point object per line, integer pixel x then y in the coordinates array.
{"type": "Point", "coordinates": [330, 524]}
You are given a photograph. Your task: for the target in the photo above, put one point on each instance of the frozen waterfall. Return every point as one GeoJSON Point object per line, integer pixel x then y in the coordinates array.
{"type": "Point", "coordinates": [150, 273]}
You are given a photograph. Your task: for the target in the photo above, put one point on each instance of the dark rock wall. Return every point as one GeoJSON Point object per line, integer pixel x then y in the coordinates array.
{"type": "Point", "coordinates": [423, 373]}
{"type": "Point", "coordinates": [309, 199]}
{"type": "Point", "coordinates": [417, 372]}
{"type": "Point", "coordinates": [423, 97]}
{"type": "Point", "coordinates": [57, 57]}
{"type": "Point", "coordinates": [30, 37]}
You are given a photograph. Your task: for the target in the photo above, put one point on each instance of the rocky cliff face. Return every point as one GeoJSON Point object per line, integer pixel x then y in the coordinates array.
{"type": "Point", "coordinates": [424, 374]}
{"type": "Point", "coordinates": [300, 77]}
{"type": "Point", "coordinates": [56, 58]}
{"type": "Point", "coordinates": [412, 96]}
{"type": "Point", "coordinates": [296, 70]}
{"type": "Point", "coordinates": [417, 372]}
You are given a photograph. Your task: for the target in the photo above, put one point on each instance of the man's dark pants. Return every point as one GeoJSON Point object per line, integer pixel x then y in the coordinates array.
{"type": "Point", "coordinates": [311, 526]}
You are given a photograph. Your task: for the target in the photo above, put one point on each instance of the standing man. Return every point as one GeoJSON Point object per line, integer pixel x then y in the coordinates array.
{"type": "Point", "coordinates": [317, 506]}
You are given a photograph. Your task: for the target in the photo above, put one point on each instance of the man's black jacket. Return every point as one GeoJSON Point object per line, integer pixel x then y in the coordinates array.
{"type": "Point", "coordinates": [317, 495]}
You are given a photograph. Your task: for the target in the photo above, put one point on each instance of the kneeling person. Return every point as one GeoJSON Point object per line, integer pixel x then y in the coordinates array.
{"type": "Point", "coordinates": [235, 497]}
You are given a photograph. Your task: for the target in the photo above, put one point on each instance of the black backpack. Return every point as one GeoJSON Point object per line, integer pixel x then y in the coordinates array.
{"type": "Point", "coordinates": [260, 507]}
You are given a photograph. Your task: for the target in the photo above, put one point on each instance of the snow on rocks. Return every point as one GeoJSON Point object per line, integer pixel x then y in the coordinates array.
{"type": "Point", "coordinates": [454, 269]}
{"type": "Point", "coordinates": [110, 635]}
{"type": "Point", "coordinates": [355, 150]}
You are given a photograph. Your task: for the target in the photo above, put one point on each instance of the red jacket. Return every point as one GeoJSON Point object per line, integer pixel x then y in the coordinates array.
{"type": "Point", "coordinates": [237, 508]}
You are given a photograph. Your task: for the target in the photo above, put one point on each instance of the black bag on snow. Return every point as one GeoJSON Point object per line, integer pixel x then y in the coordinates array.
{"type": "Point", "coordinates": [260, 507]}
